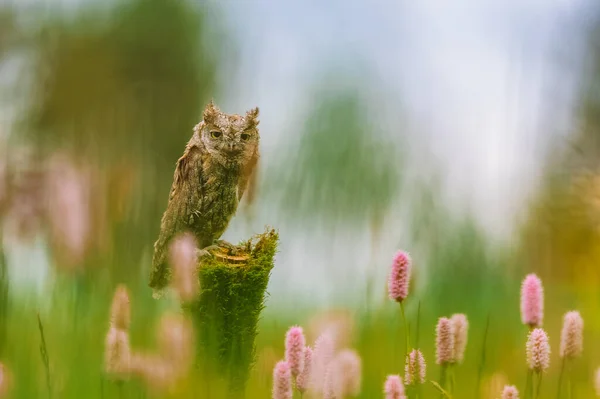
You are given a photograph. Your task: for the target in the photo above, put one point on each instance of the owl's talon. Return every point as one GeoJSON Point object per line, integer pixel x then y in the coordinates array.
{"type": "Point", "coordinates": [223, 243]}
{"type": "Point", "coordinates": [232, 249]}
{"type": "Point", "coordinates": [205, 253]}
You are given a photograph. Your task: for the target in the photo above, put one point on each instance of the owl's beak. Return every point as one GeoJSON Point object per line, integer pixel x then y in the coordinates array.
{"type": "Point", "coordinates": [232, 149]}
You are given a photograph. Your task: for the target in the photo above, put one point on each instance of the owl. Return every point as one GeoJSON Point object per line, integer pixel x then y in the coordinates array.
{"type": "Point", "coordinates": [216, 168]}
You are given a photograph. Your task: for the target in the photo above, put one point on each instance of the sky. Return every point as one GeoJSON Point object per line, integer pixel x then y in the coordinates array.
{"type": "Point", "coordinates": [474, 76]}
{"type": "Point", "coordinates": [477, 80]}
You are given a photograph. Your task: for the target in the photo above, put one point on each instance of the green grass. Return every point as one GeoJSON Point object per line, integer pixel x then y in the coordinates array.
{"type": "Point", "coordinates": [75, 334]}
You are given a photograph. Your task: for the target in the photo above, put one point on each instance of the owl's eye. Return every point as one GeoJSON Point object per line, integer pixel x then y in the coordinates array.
{"type": "Point", "coordinates": [244, 136]}
{"type": "Point", "coordinates": [215, 134]}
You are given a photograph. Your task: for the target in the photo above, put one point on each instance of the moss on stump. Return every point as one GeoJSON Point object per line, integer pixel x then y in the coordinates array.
{"type": "Point", "coordinates": [227, 311]}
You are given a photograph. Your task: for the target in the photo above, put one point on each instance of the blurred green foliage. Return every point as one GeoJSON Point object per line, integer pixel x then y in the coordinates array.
{"type": "Point", "coordinates": [560, 236]}
{"type": "Point", "coordinates": [121, 91]}
{"type": "Point", "coordinates": [340, 171]}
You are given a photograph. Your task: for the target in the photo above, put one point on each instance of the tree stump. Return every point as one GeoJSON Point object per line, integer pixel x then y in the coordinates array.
{"type": "Point", "coordinates": [226, 313]}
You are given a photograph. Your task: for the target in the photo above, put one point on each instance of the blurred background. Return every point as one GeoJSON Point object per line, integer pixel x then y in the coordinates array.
{"type": "Point", "coordinates": [467, 134]}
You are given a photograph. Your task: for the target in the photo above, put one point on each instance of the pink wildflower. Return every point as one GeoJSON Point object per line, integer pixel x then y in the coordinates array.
{"type": "Point", "coordinates": [304, 377]}
{"type": "Point", "coordinates": [349, 369]}
{"type": "Point", "coordinates": [510, 392]}
{"type": "Point", "coordinates": [163, 370]}
{"type": "Point", "coordinates": [322, 356]}
{"type": "Point", "coordinates": [154, 371]}
{"type": "Point", "coordinates": [538, 350]}
{"type": "Point", "coordinates": [399, 277]}
{"type": "Point", "coordinates": [117, 353]}
{"type": "Point", "coordinates": [415, 368]}
{"type": "Point", "coordinates": [332, 386]}
{"type": "Point", "coordinates": [176, 342]}
{"type": "Point", "coordinates": [393, 388]}
{"type": "Point", "coordinates": [460, 328]}
{"type": "Point", "coordinates": [571, 336]}
{"type": "Point", "coordinates": [120, 311]}
{"type": "Point", "coordinates": [532, 301]}
{"type": "Point", "coordinates": [597, 381]}
{"type": "Point", "coordinates": [444, 341]}
{"type": "Point", "coordinates": [5, 380]}
{"type": "Point", "coordinates": [25, 202]}
{"type": "Point", "coordinates": [282, 381]}
{"type": "Point", "coordinates": [182, 253]}
{"type": "Point", "coordinates": [68, 207]}
{"type": "Point", "coordinates": [294, 350]}
{"type": "Point", "coordinates": [337, 323]}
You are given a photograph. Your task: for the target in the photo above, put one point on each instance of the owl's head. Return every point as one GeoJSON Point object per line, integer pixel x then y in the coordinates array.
{"type": "Point", "coordinates": [232, 140]}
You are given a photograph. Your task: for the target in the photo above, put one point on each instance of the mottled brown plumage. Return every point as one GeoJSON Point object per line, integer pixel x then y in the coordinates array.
{"type": "Point", "coordinates": [210, 179]}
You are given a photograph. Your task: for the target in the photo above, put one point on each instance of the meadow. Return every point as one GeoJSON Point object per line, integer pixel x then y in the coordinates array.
{"type": "Point", "coordinates": [97, 103]}
{"type": "Point", "coordinates": [75, 324]}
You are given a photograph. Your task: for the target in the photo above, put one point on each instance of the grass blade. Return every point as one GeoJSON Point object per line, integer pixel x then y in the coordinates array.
{"type": "Point", "coordinates": [44, 355]}
{"type": "Point", "coordinates": [482, 361]}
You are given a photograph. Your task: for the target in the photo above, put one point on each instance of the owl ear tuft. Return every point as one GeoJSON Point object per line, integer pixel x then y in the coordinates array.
{"type": "Point", "coordinates": [210, 112]}
{"type": "Point", "coordinates": [252, 117]}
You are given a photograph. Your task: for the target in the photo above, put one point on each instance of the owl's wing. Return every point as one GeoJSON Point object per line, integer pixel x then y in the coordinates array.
{"type": "Point", "coordinates": [187, 172]}
{"type": "Point", "coordinates": [184, 198]}
{"type": "Point", "coordinates": [186, 191]}
{"type": "Point", "coordinates": [248, 180]}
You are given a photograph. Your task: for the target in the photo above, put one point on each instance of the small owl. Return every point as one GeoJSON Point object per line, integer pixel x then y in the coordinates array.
{"type": "Point", "coordinates": [218, 164]}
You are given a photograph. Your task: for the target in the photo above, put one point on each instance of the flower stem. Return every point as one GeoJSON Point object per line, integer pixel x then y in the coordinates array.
{"type": "Point", "coordinates": [44, 355]}
{"type": "Point", "coordinates": [482, 361]}
{"type": "Point", "coordinates": [452, 370]}
{"type": "Point", "coordinates": [560, 377]}
{"type": "Point", "coordinates": [539, 385]}
{"type": "Point", "coordinates": [569, 382]}
{"type": "Point", "coordinates": [418, 325]}
{"type": "Point", "coordinates": [528, 385]}
{"type": "Point", "coordinates": [405, 328]}
{"type": "Point", "coordinates": [443, 377]}
{"type": "Point", "coordinates": [443, 392]}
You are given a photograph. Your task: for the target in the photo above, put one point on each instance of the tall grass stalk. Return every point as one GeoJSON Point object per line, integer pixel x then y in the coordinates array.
{"type": "Point", "coordinates": [483, 358]}
{"type": "Point", "coordinates": [443, 392]}
{"type": "Point", "coordinates": [560, 377]}
{"type": "Point", "coordinates": [452, 381]}
{"type": "Point", "coordinates": [4, 287]}
{"type": "Point", "coordinates": [539, 385]}
{"type": "Point", "coordinates": [418, 324]}
{"type": "Point", "coordinates": [44, 355]}
{"type": "Point", "coordinates": [443, 378]}
{"type": "Point", "coordinates": [405, 329]}
{"type": "Point", "coordinates": [417, 331]}
{"type": "Point", "coordinates": [120, 389]}
{"type": "Point", "coordinates": [569, 382]}
{"type": "Point", "coordinates": [529, 385]}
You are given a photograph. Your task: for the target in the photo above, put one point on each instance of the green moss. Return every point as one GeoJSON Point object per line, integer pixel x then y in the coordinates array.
{"type": "Point", "coordinates": [227, 311]}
